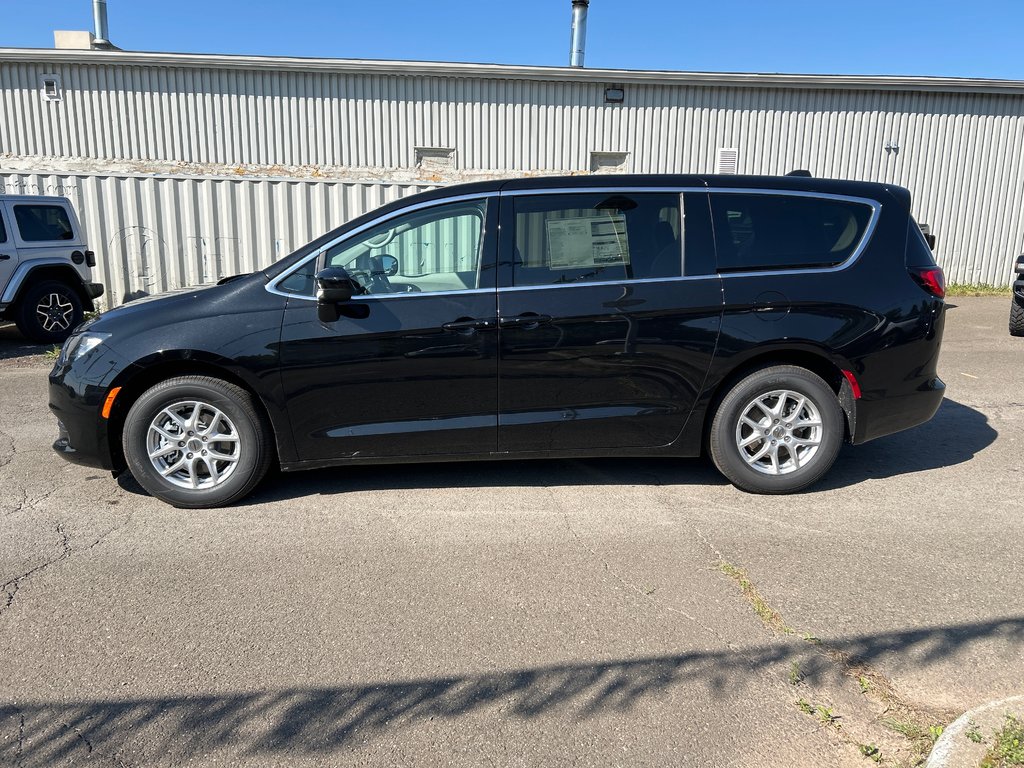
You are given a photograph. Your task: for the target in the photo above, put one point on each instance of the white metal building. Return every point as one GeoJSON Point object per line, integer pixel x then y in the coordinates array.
{"type": "Point", "coordinates": [185, 168]}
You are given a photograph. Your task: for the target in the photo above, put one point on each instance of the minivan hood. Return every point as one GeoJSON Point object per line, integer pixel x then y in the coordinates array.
{"type": "Point", "coordinates": [183, 303]}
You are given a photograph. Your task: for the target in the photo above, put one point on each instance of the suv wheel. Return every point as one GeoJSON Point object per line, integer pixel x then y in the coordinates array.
{"type": "Point", "coordinates": [196, 442]}
{"type": "Point", "coordinates": [1016, 319]}
{"type": "Point", "coordinates": [47, 313]}
{"type": "Point", "coordinates": [777, 431]}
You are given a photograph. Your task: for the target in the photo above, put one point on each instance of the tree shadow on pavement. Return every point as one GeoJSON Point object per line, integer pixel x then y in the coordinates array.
{"type": "Point", "coordinates": [321, 721]}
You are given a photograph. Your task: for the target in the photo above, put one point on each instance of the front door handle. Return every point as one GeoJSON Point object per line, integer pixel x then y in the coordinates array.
{"type": "Point", "coordinates": [4, 256]}
{"type": "Point", "coordinates": [468, 325]}
{"type": "Point", "coordinates": [527, 321]}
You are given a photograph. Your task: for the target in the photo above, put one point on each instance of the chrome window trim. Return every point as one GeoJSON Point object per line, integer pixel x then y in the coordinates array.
{"type": "Point", "coordinates": [272, 286]}
{"type": "Point", "coordinates": [865, 239]}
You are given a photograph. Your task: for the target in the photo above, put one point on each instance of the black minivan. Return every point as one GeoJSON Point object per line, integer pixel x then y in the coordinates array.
{"type": "Point", "coordinates": [765, 319]}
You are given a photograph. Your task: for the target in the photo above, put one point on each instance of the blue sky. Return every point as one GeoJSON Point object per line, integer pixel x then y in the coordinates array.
{"type": "Point", "coordinates": [918, 37]}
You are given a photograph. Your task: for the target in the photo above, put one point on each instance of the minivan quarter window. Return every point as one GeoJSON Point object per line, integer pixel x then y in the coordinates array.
{"type": "Point", "coordinates": [596, 237]}
{"type": "Point", "coordinates": [755, 231]}
{"type": "Point", "coordinates": [43, 223]}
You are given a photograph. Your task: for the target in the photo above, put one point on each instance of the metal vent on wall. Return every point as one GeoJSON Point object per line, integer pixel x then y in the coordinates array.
{"type": "Point", "coordinates": [727, 160]}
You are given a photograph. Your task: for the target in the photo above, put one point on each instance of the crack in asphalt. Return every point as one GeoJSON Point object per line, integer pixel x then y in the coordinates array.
{"type": "Point", "coordinates": [11, 586]}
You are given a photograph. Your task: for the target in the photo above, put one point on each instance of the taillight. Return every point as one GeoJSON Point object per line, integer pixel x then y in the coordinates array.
{"type": "Point", "coordinates": [931, 279]}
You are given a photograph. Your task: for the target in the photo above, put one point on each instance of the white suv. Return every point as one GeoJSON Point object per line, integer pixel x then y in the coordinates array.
{"type": "Point", "coordinates": [45, 267]}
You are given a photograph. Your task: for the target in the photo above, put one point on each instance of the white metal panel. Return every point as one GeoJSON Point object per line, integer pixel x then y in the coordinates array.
{"type": "Point", "coordinates": [959, 148]}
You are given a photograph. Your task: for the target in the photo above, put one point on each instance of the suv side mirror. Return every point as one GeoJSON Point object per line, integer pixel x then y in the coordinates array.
{"type": "Point", "coordinates": [388, 265]}
{"type": "Point", "coordinates": [333, 286]}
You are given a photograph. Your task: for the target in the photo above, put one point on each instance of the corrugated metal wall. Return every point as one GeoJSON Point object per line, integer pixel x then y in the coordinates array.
{"type": "Point", "coordinates": [958, 151]}
{"type": "Point", "coordinates": [154, 234]}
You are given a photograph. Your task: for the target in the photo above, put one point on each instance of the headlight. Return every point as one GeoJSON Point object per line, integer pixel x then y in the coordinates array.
{"type": "Point", "coordinates": [79, 345]}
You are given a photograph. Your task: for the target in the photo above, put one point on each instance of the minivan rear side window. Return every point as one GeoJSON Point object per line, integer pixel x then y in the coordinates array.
{"type": "Point", "coordinates": [597, 237]}
{"type": "Point", "coordinates": [778, 231]}
{"type": "Point", "coordinates": [41, 223]}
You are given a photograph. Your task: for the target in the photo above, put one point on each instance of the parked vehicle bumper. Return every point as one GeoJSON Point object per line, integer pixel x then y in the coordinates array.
{"type": "Point", "coordinates": [878, 418]}
{"type": "Point", "coordinates": [82, 435]}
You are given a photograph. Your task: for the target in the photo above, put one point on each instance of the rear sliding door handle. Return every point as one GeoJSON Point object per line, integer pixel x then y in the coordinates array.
{"type": "Point", "coordinates": [4, 256]}
{"type": "Point", "coordinates": [527, 321]}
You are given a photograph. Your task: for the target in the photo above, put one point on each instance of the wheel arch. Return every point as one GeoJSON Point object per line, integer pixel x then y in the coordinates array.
{"type": "Point", "coordinates": [144, 374]}
{"type": "Point", "coordinates": [813, 359]}
{"type": "Point", "coordinates": [57, 271]}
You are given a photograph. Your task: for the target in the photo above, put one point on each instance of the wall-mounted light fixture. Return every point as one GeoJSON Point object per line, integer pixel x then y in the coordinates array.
{"type": "Point", "coordinates": [614, 95]}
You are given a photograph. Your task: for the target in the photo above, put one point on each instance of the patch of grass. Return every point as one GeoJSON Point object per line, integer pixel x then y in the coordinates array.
{"type": "Point", "coordinates": [977, 289]}
{"type": "Point", "coordinates": [53, 353]}
{"type": "Point", "coordinates": [870, 751]}
{"type": "Point", "coordinates": [904, 727]}
{"type": "Point", "coordinates": [795, 675]}
{"type": "Point", "coordinates": [974, 732]}
{"type": "Point", "coordinates": [864, 683]}
{"type": "Point", "coordinates": [805, 706]}
{"type": "Point", "coordinates": [827, 716]}
{"type": "Point", "coordinates": [1007, 746]}
{"type": "Point", "coordinates": [768, 615]}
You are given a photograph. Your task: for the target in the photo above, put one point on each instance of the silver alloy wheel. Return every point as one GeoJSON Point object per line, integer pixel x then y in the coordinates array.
{"type": "Point", "coordinates": [55, 312]}
{"type": "Point", "coordinates": [779, 432]}
{"type": "Point", "coordinates": [193, 445]}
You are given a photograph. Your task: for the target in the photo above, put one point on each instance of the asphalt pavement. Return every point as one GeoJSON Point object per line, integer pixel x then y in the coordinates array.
{"type": "Point", "coordinates": [550, 613]}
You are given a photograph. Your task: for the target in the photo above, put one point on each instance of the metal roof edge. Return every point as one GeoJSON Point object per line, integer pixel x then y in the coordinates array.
{"type": "Point", "coordinates": [513, 72]}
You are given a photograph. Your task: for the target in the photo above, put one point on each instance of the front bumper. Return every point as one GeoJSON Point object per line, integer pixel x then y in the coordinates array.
{"type": "Point", "coordinates": [82, 433]}
{"type": "Point", "coordinates": [93, 290]}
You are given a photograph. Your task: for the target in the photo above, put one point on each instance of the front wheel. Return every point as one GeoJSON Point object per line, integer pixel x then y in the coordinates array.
{"type": "Point", "coordinates": [778, 430]}
{"type": "Point", "coordinates": [196, 442]}
{"type": "Point", "coordinates": [48, 312]}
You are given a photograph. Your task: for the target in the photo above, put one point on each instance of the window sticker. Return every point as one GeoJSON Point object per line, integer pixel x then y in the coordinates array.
{"type": "Point", "coordinates": [587, 242]}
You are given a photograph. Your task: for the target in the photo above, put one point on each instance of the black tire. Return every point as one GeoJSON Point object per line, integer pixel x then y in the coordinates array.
{"type": "Point", "coordinates": [48, 312]}
{"type": "Point", "coordinates": [1016, 319]}
{"type": "Point", "coordinates": [201, 480]}
{"type": "Point", "coordinates": [735, 445]}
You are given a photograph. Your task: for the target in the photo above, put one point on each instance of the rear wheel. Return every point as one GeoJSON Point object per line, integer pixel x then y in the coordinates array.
{"type": "Point", "coordinates": [1016, 319]}
{"type": "Point", "coordinates": [48, 312]}
{"type": "Point", "coordinates": [777, 431]}
{"type": "Point", "coordinates": [196, 442]}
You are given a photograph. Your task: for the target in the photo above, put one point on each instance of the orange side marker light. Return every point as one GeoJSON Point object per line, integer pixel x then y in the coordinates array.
{"type": "Point", "coordinates": [109, 402]}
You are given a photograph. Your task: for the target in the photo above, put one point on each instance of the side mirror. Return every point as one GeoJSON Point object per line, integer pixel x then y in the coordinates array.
{"type": "Point", "coordinates": [930, 239]}
{"type": "Point", "coordinates": [333, 286]}
{"type": "Point", "coordinates": [388, 265]}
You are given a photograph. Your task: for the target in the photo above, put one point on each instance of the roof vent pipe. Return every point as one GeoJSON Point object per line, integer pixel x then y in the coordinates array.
{"type": "Point", "coordinates": [578, 40]}
{"type": "Point", "coordinates": [99, 20]}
